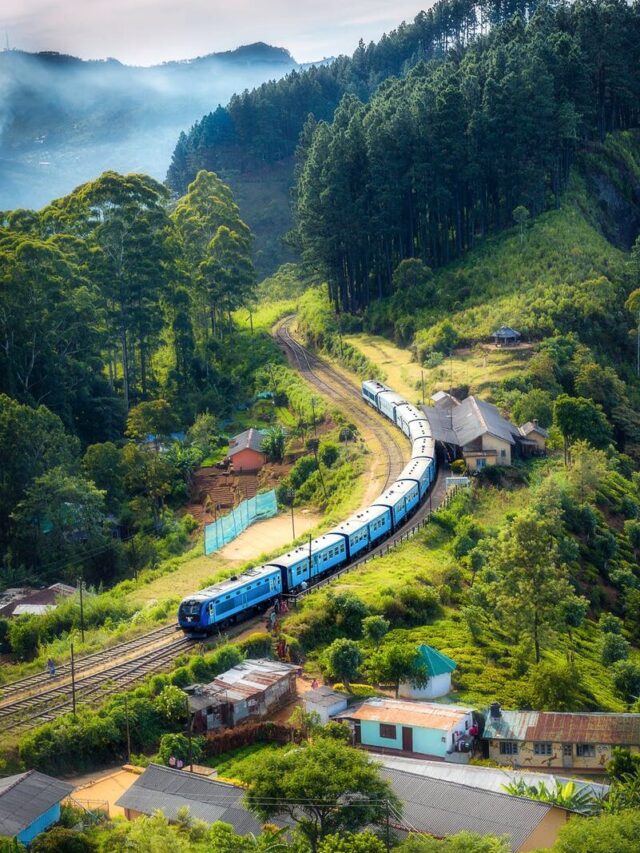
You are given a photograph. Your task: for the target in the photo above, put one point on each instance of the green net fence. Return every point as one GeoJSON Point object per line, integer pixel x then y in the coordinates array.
{"type": "Point", "coordinates": [224, 530]}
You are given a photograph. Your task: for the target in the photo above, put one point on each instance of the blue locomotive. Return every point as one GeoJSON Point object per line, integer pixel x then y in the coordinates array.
{"type": "Point", "coordinates": [239, 597]}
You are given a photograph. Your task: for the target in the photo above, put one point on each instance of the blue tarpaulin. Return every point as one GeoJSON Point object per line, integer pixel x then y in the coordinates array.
{"type": "Point", "coordinates": [224, 530]}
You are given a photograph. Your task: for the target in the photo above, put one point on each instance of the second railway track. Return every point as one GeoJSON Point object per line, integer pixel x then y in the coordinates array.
{"type": "Point", "coordinates": [333, 385]}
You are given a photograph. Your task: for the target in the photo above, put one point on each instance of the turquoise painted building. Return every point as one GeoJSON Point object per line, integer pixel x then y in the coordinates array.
{"type": "Point", "coordinates": [404, 727]}
{"type": "Point", "coordinates": [29, 804]}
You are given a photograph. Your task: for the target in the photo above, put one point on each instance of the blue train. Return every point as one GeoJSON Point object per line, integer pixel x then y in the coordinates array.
{"type": "Point", "coordinates": [242, 596]}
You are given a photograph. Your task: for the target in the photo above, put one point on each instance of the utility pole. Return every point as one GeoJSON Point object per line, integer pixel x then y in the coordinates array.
{"type": "Point", "coordinates": [126, 719]}
{"type": "Point", "coordinates": [189, 733]}
{"type": "Point", "coordinates": [388, 827]}
{"type": "Point", "coordinates": [73, 683]}
{"type": "Point", "coordinates": [291, 495]}
{"type": "Point", "coordinates": [81, 584]}
{"type": "Point", "coordinates": [313, 409]}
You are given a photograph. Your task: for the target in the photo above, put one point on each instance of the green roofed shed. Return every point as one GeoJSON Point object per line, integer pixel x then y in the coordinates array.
{"type": "Point", "coordinates": [440, 668]}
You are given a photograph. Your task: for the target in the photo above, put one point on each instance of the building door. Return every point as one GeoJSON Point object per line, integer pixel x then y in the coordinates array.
{"type": "Point", "coordinates": [567, 755]}
{"type": "Point", "coordinates": [407, 739]}
{"type": "Point", "coordinates": [357, 735]}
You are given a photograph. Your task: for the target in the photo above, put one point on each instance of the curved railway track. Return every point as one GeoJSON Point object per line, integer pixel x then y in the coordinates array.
{"type": "Point", "coordinates": [333, 385]}
{"type": "Point", "coordinates": [39, 698]}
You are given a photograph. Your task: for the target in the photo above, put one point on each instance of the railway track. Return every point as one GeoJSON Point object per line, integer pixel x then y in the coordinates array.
{"type": "Point", "coordinates": [22, 688]}
{"type": "Point", "coordinates": [39, 698]}
{"type": "Point", "coordinates": [53, 700]}
{"type": "Point", "coordinates": [333, 385]}
{"type": "Point", "coordinates": [346, 393]}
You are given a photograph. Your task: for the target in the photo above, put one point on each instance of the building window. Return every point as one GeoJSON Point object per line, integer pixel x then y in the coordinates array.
{"type": "Point", "coordinates": [387, 731]}
{"type": "Point", "coordinates": [567, 749]}
{"type": "Point", "coordinates": [480, 463]}
{"type": "Point", "coordinates": [503, 453]}
{"type": "Point", "coordinates": [543, 748]}
{"type": "Point", "coordinates": [508, 747]}
{"type": "Point", "coordinates": [585, 750]}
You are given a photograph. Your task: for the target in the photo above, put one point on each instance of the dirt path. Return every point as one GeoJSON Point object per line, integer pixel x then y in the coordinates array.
{"type": "Point", "coordinates": [268, 535]}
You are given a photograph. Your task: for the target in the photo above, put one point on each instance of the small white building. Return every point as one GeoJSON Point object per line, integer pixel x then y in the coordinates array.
{"type": "Point", "coordinates": [325, 702]}
{"type": "Point", "coordinates": [439, 667]}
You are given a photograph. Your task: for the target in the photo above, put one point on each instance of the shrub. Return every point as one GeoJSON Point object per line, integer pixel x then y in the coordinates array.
{"type": "Point", "coordinates": [614, 648]}
{"type": "Point", "coordinates": [176, 746]}
{"type": "Point", "coordinates": [328, 453]}
{"type": "Point", "coordinates": [626, 679]}
{"type": "Point", "coordinates": [257, 645]}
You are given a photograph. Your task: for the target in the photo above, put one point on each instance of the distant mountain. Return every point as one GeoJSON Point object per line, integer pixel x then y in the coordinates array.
{"type": "Point", "coordinates": [63, 120]}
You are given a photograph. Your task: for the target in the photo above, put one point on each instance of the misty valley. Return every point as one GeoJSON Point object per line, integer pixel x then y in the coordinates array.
{"type": "Point", "coordinates": [64, 120]}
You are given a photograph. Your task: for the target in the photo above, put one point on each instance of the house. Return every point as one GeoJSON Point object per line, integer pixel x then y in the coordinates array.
{"type": "Point", "coordinates": [401, 727]}
{"type": "Point", "coordinates": [20, 601]}
{"type": "Point", "coordinates": [533, 432]}
{"type": "Point", "coordinates": [165, 789]}
{"type": "Point", "coordinates": [439, 667]}
{"type": "Point", "coordinates": [476, 431]}
{"type": "Point", "coordinates": [488, 778]}
{"type": "Point", "coordinates": [29, 804]}
{"type": "Point", "coordinates": [245, 450]}
{"type": "Point", "coordinates": [324, 702]}
{"type": "Point", "coordinates": [506, 336]}
{"type": "Point", "coordinates": [545, 739]}
{"type": "Point", "coordinates": [442, 808]}
{"type": "Point", "coordinates": [249, 690]}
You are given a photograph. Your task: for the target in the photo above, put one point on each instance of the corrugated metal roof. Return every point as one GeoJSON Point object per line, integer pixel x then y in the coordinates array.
{"type": "Point", "coordinates": [26, 796]}
{"type": "Point", "coordinates": [445, 808]}
{"type": "Point", "coordinates": [427, 715]}
{"type": "Point", "coordinates": [249, 678]}
{"type": "Point", "coordinates": [441, 423]}
{"type": "Point", "coordinates": [485, 778]}
{"type": "Point", "coordinates": [168, 790]}
{"type": "Point", "coordinates": [506, 332]}
{"type": "Point", "coordinates": [618, 729]}
{"type": "Point", "coordinates": [324, 696]}
{"type": "Point", "coordinates": [250, 439]}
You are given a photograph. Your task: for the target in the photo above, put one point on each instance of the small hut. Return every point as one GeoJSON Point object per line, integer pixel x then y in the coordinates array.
{"type": "Point", "coordinates": [505, 336]}
{"type": "Point", "coordinates": [439, 667]}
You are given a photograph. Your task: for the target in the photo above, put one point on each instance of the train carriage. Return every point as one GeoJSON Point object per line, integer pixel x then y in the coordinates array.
{"type": "Point", "coordinates": [423, 448]}
{"type": "Point", "coordinates": [419, 429]}
{"type": "Point", "coordinates": [419, 471]}
{"type": "Point", "coordinates": [400, 499]}
{"type": "Point", "coordinates": [327, 552]}
{"type": "Point", "coordinates": [294, 566]}
{"type": "Point", "coordinates": [388, 402]}
{"type": "Point", "coordinates": [226, 600]}
{"type": "Point", "coordinates": [365, 529]}
{"type": "Point", "coordinates": [406, 415]}
{"type": "Point", "coordinates": [370, 390]}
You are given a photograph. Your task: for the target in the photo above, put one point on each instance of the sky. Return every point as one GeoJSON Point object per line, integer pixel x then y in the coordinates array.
{"type": "Point", "coordinates": [144, 32]}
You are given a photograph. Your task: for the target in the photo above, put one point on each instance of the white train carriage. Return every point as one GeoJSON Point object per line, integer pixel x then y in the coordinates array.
{"type": "Point", "coordinates": [388, 402]}
{"type": "Point", "coordinates": [423, 448]}
{"type": "Point", "coordinates": [407, 414]}
{"type": "Point", "coordinates": [419, 429]}
{"type": "Point", "coordinates": [370, 390]}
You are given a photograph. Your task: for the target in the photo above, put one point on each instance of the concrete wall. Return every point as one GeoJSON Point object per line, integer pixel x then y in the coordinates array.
{"type": "Point", "coordinates": [439, 685]}
{"type": "Point", "coordinates": [546, 832]}
{"type": "Point", "coordinates": [426, 741]}
{"type": "Point", "coordinates": [248, 460]}
{"type": "Point", "coordinates": [45, 820]}
{"type": "Point", "coordinates": [526, 757]}
{"type": "Point", "coordinates": [325, 712]}
{"type": "Point", "coordinates": [490, 442]}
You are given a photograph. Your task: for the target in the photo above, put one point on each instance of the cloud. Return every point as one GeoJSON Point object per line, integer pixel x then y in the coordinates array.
{"type": "Point", "coordinates": [150, 31]}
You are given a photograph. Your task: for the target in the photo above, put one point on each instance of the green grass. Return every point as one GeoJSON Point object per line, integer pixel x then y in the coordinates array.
{"type": "Point", "coordinates": [236, 765]}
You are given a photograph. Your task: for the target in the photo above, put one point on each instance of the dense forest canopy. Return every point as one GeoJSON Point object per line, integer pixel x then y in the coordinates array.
{"type": "Point", "coordinates": [264, 124]}
{"type": "Point", "coordinates": [464, 145]}
{"type": "Point", "coordinates": [115, 322]}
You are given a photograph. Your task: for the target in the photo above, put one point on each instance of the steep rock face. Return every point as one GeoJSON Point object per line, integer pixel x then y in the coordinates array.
{"type": "Point", "coordinates": [612, 173]}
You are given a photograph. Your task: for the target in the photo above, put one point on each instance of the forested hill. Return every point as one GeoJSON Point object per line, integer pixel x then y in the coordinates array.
{"type": "Point", "coordinates": [252, 141]}
{"type": "Point", "coordinates": [465, 146]}
{"type": "Point", "coordinates": [64, 120]}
